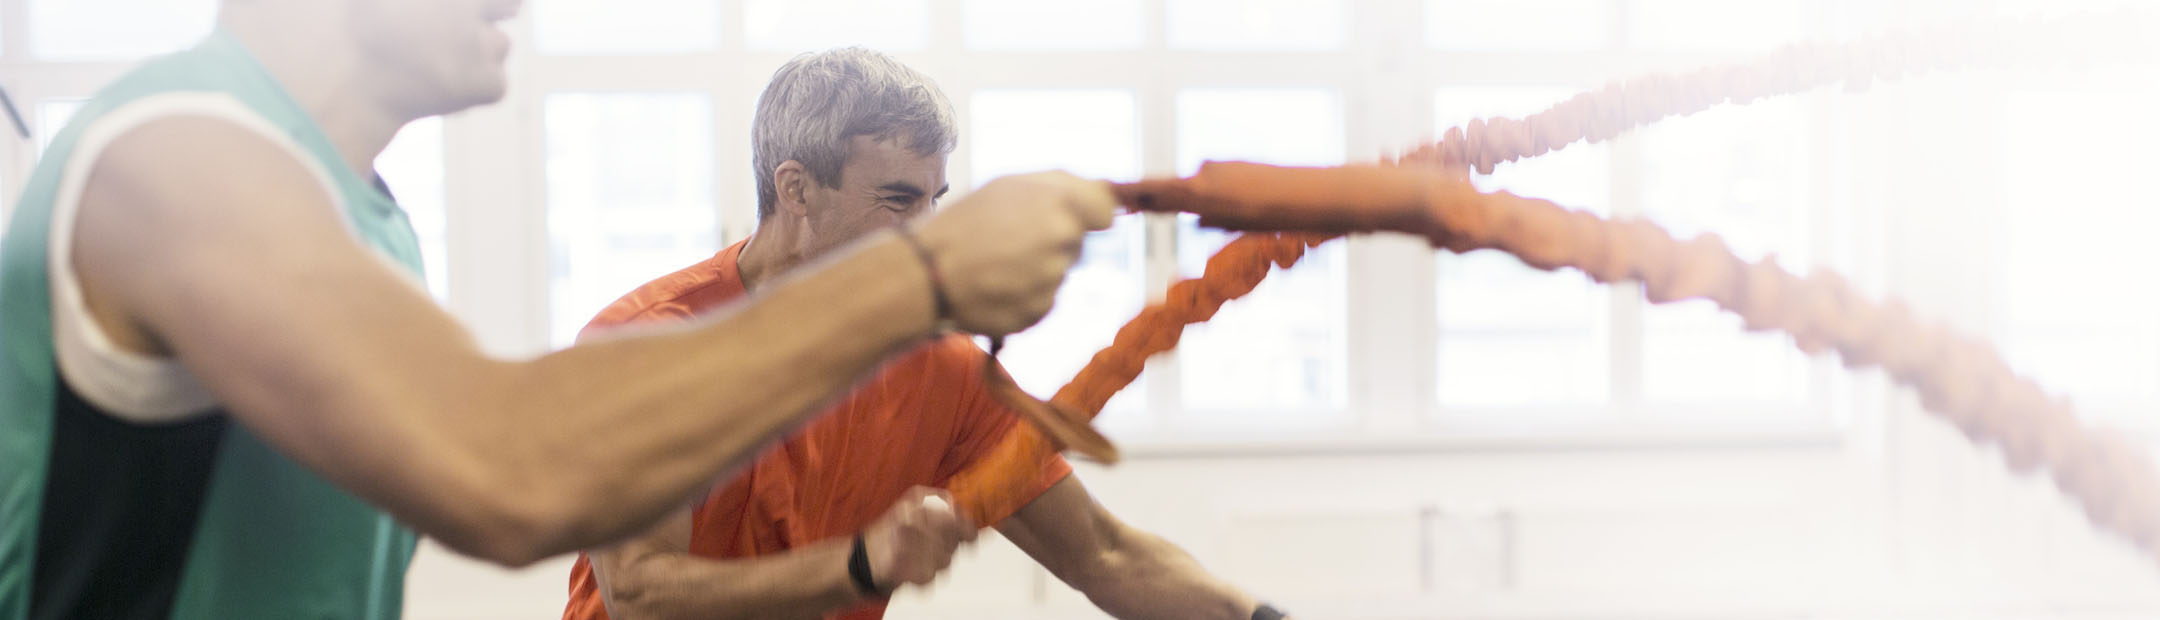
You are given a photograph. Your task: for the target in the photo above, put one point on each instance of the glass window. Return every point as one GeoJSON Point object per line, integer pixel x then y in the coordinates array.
{"type": "Point", "coordinates": [1247, 25]}
{"type": "Point", "coordinates": [625, 26]}
{"type": "Point", "coordinates": [1518, 25]}
{"type": "Point", "coordinates": [1090, 133]}
{"type": "Point", "coordinates": [2080, 209]}
{"type": "Point", "coordinates": [809, 25]}
{"type": "Point", "coordinates": [116, 29]}
{"type": "Point", "coordinates": [1282, 349]}
{"type": "Point", "coordinates": [1512, 335]}
{"type": "Point", "coordinates": [1715, 25]}
{"type": "Point", "coordinates": [630, 196]}
{"type": "Point", "coordinates": [1052, 25]}
{"type": "Point", "coordinates": [1093, 134]}
{"type": "Point", "coordinates": [1741, 172]}
{"type": "Point", "coordinates": [412, 166]}
{"type": "Point", "coordinates": [2064, 7]}
{"type": "Point", "coordinates": [52, 116]}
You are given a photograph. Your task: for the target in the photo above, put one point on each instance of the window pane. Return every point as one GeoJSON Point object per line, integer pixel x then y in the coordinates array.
{"type": "Point", "coordinates": [116, 29]}
{"type": "Point", "coordinates": [1090, 133]}
{"type": "Point", "coordinates": [52, 116]}
{"type": "Point", "coordinates": [1511, 335]}
{"type": "Point", "coordinates": [412, 166]}
{"type": "Point", "coordinates": [1741, 172]}
{"type": "Point", "coordinates": [1518, 25]}
{"type": "Point", "coordinates": [1286, 126]}
{"type": "Point", "coordinates": [1094, 134]}
{"type": "Point", "coordinates": [625, 26]}
{"type": "Point", "coordinates": [1101, 292]}
{"type": "Point", "coordinates": [1257, 24]}
{"type": "Point", "coordinates": [2080, 328]}
{"type": "Point", "coordinates": [809, 25]}
{"type": "Point", "coordinates": [630, 196]}
{"type": "Point", "coordinates": [1715, 25]}
{"type": "Point", "coordinates": [1052, 25]}
{"type": "Point", "coordinates": [2064, 7]}
{"type": "Point", "coordinates": [1281, 349]}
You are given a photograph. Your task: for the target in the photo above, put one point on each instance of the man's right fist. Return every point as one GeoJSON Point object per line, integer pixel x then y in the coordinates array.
{"type": "Point", "coordinates": [915, 539]}
{"type": "Point", "coordinates": [1003, 250]}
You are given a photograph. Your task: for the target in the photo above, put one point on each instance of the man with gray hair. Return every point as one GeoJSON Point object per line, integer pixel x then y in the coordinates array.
{"type": "Point", "coordinates": [849, 142]}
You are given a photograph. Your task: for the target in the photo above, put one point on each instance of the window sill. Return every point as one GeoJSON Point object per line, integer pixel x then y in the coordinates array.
{"type": "Point", "coordinates": [1663, 437]}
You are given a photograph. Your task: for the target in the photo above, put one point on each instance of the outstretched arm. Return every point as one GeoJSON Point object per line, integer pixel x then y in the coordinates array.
{"type": "Point", "coordinates": [1128, 573]}
{"type": "Point", "coordinates": [233, 261]}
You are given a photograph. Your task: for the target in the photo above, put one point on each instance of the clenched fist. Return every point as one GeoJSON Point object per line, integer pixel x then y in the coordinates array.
{"type": "Point", "coordinates": [915, 539]}
{"type": "Point", "coordinates": [1003, 250]}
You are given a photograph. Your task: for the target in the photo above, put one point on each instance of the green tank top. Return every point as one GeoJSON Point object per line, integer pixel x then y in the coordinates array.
{"type": "Point", "coordinates": [270, 539]}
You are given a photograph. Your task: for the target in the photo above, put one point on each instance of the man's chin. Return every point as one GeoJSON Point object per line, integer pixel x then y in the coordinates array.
{"type": "Point", "coordinates": [479, 94]}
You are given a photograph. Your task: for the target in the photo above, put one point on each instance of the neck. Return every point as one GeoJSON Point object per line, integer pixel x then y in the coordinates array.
{"type": "Point", "coordinates": [773, 250]}
{"type": "Point", "coordinates": [315, 61]}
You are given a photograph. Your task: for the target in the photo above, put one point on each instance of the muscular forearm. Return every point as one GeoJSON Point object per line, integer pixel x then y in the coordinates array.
{"type": "Point", "coordinates": [1150, 578]}
{"type": "Point", "coordinates": [803, 583]}
{"type": "Point", "coordinates": [684, 408]}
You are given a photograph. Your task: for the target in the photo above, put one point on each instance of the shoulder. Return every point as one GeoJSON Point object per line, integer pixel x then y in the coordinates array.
{"type": "Point", "coordinates": [198, 139]}
{"type": "Point", "coordinates": [677, 296]}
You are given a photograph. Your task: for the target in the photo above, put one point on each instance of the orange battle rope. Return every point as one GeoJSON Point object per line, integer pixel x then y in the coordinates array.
{"type": "Point", "coordinates": [1957, 377]}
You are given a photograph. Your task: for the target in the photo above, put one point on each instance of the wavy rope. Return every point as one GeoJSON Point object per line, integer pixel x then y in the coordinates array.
{"type": "Point", "coordinates": [1589, 117]}
{"type": "Point", "coordinates": [1004, 475]}
{"type": "Point", "coordinates": [1959, 378]}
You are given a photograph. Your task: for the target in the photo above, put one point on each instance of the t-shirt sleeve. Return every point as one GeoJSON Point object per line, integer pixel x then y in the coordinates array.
{"type": "Point", "coordinates": [635, 309]}
{"type": "Point", "coordinates": [983, 423]}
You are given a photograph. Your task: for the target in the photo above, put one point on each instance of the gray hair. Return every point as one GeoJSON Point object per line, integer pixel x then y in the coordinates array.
{"type": "Point", "coordinates": [818, 102]}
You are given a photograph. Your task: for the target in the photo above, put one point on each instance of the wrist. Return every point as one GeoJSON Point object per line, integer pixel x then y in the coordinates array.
{"type": "Point", "coordinates": [926, 259]}
{"type": "Point", "coordinates": [861, 581]}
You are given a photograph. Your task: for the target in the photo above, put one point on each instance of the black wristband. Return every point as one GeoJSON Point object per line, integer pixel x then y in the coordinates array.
{"type": "Point", "coordinates": [858, 569]}
{"type": "Point", "coordinates": [1267, 612]}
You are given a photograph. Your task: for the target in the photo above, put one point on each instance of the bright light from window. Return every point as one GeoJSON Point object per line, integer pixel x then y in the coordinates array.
{"type": "Point", "coordinates": [630, 196]}
{"type": "Point", "coordinates": [1715, 25]}
{"type": "Point", "coordinates": [2079, 316]}
{"type": "Point", "coordinates": [1511, 335]}
{"type": "Point", "coordinates": [1093, 134]}
{"type": "Point", "coordinates": [1741, 172]}
{"type": "Point", "coordinates": [116, 29]}
{"type": "Point", "coordinates": [1251, 25]}
{"type": "Point", "coordinates": [1282, 349]}
{"type": "Point", "coordinates": [412, 166]}
{"type": "Point", "coordinates": [52, 116]}
{"type": "Point", "coordinates": [1518, 25]}
{"type": "Point", "coordinates": [625, 26]}
{"type": "Point", "coordinates": [1052, 25]}
{"type": "Point", "coordinates": [811, 25]}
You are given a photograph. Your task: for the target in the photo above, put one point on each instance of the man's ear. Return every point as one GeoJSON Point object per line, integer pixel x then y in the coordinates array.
{"type": "Point", "coordinates": [792, 180]}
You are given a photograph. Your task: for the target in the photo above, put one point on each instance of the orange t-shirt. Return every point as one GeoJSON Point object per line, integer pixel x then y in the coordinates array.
{"type": "Point", "coordinates": [921, 419]}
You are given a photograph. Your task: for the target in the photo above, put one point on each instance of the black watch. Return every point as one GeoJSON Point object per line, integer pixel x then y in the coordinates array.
{"type": "Point", "coordinates": [1267, 612]}
{"type": "Point", "coordinates": [858, 570]}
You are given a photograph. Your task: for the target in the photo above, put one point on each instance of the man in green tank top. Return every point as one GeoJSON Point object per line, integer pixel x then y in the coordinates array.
{"type": "Point", "coordinates": [223, 396]}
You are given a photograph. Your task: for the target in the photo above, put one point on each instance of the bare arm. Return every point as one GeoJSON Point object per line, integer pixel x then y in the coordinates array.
{"type": "Point", "coordinates": [234, 262]}
{"type": "Point", "coordinates": [656, 577]}
{"type": "Point", "coordinates": [1128, 573]}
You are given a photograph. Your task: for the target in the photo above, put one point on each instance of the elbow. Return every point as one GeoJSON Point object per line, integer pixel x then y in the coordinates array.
{"type": "Point", "coordinates": [514, 520]}
{"type": "Point", "coordinates": [627, 598]}
{"type": "Point", "coordinates": [511, 532]}
{"type": "Point", "coordinates": [1093, 575]}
